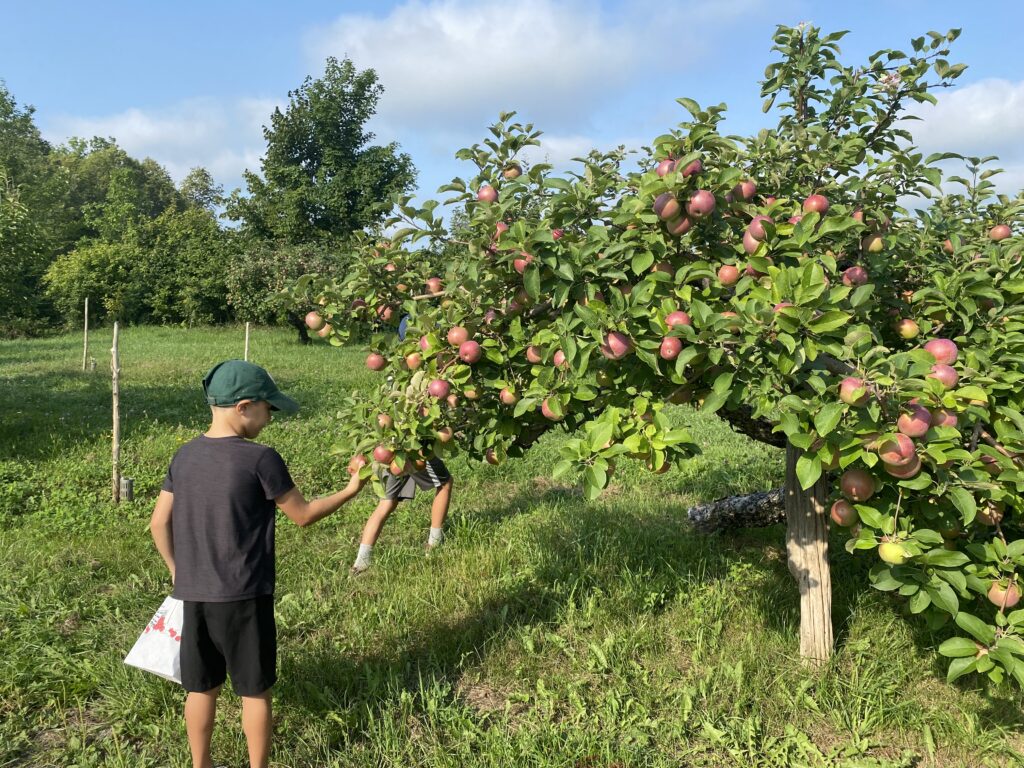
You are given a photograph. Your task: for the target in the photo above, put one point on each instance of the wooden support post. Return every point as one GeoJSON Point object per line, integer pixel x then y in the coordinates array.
{"type": "Point", "coordinates": [115, 366]}
{"type": "Point", "coordinates": [807, 550]}
{"type": "Point", "coordinates": [85, 340]}
{"type": "Point", "coordinates": [246, 358]}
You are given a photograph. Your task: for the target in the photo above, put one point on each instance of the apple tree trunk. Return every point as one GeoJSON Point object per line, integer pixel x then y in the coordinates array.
{"type": "Point", "coordinates": [807, 551]}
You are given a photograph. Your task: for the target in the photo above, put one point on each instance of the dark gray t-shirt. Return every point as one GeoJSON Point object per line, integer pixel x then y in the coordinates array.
{"type": "Point", "coordinates": [222, 520]}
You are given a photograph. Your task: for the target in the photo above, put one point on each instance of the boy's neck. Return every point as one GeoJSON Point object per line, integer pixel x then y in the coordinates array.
{"type": "Point", "coordinates": [223, 425]}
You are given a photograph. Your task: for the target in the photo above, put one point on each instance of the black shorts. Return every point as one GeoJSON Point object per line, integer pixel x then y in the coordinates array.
{"type": "Point", "coordinates": [403, 487]}
{"type": "Point", "coordinates": [237, 639]}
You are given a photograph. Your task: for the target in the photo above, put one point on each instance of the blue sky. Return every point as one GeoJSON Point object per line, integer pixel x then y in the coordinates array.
{"type": "Point", "coordinates": [191, 83]}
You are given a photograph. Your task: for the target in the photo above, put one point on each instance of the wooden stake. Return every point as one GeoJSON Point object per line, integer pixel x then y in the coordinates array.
{"type": "Point", "coordinates": [246, 358]}
{"type": "Point", "coordinates": [85, 341]}
{"type": "Point", "coordinates": [807, 548]}
{"type": "Point", "coordinates": [115, 366]}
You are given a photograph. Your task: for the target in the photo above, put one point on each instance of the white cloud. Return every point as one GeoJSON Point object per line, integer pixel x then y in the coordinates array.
{"type": "Point", "coordinates": [224, 138]}
{"type": "Point", "coordinates": [981, 119]}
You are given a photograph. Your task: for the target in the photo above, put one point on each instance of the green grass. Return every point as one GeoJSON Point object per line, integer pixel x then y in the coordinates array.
{"type": "Point", "coordinates": [548, 631]}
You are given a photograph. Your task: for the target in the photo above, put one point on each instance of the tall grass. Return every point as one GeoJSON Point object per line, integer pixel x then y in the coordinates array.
{"type": "Point", "coordinates": [547, 632]}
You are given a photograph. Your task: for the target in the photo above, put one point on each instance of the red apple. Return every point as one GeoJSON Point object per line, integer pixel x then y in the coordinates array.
{"type": "Point", "coordinates": [470, 352]}
{"type": "Point", "coordinates": [666, 206]}
{"type": "Point", "coordinates": [314, 321]}
{"type": "Point", "coordinates": [855, 276]}
{"type": "Point", "coordinates": [383, 454]}
{"type": "Point", "coordinates": [844, 514]}
{"type": "Point", "coordinates": [452, 400]}
{"type": "Point", "coordinates": [326, 331]}
{"type": "Point", "coordinates": [677, 318]}
{"type": "Point", "coordinates": [946, 375]}
{"type": "Point", "coordinates": [547, 412]}
{"type": "Point", "coordinates": [557, 234]}
{"type": "Point", "coordinates": [534, 354]}
{"type": "Point", "coordinates": [1005, 594]}
{"type": "Point", "coordinates": [665, 167]}
{"type": "Point", "coordinates": [521, 263]}
{"type": "Point", "coordinates": [943, 417]}
{"type": "Point", "coordinates": [487, 194]}
{"type": "Point", "coordinates": [906, 471]}
{"type": "Point", "coordinates": [745, 191]}
{"type": "Point", "coordinates": [444, 434]}
{"type": "Point", "coordinates": [671, 346]}
{"type": "Point", "coordinates": [434, 285]}
{"type": "Point", "coordinates": [616, 345]}
{"type": "Point", "coordinates": [907, 328]}
{"type": "Point", "coordinates": [508, 396]}
{"type": "Point", "coordinates": [679, 226]}
{"type": "Point", "coordinates": [756, 227]}
{"type": "Point", "coordinates": [943, 350]}
{"type": "Point", "coordinates": [848, 386]}
{"type": "Point", "coordinates": [439, 389]}
{"type": "Point", "coordinates": [375, 362]}
{"type": "Point", "coordinates": [693, 168]}
{"type": "Point", "coordinates": [413, 361]}
{"type": "Point", "coordinates": [728, 274]}
{"type": "Point", "coordinates": [559, 358]}
{"type": "Point", "coordinates": [816, 203]}
{"type": "Point", "coordinates": [999, 232]}
{"type": "Point", "coordinates": [750, 243]}
{"type": "Point", "coordinates": [384, 420]}
{"type": "Point", "coordinates": [947, 245]}
{"type": "Point", "coordinates": [491, 457]}
{"type": "Point", "coordinates": [857, 485]}
{"type": "Point", "coordinates": [512, 171]}
{"type": "Point", "coordinates": [457, 335]}
{"type": "Point", "coordinates": [390, 267]}
{"type": "Point", "coordinates": [702, 203]}
{"type": "Point", "coordinates": [897, 451]}
{"type": "Point", "coordinates": [356, 463]}
{"type": "Point", "coordinates": [915, 422]}
{"type": "Point", "coordinates": [499, 229]}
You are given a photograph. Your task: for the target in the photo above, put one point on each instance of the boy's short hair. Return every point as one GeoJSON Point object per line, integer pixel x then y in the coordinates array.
{"type": "Point", "coordinates": [232, 381]}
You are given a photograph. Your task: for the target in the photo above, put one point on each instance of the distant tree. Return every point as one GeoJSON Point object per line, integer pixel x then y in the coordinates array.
{"type": "Point", "coordinates": [199, 189]}
{"type": "Point", "coordinates": [322, 178]}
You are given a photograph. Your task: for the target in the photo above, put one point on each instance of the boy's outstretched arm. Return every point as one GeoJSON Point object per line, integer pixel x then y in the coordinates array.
{"type": "Point", "coordinates": [304, 513]}
{"type": "Point", "coordinates": [160, 528]}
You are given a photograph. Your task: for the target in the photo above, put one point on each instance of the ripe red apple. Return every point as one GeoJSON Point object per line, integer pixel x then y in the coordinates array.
{"type": "Point", "coordinates": [857, 485]}
{"type": "Point", "coordinates": [452, 400]}
{"type": "Point", "coordinates": [499, 229]}
{"type": "Point", "coordinates": [397, 469]}
{"type": "Point", "coordinates": [385, 314]}
{"type": "Point", "coordinates": [693, 168]}
{"type": "Point", "coordinates": [915, 422]}
{"type": "Point", "coordinates": [383, 454]}
{"type": "Point", "coordinates": [1005, 594]}
{"type": "Point", "coordinates": [844, 514]}
{"type": "Point", "coordinates": [893, 552]}
{"type": "Point", "coordinates": [999, 232]}
{"type": "Point", "coordinates": [557, 234]}
{"type": "Point", "coordinates": [728, 274]}
{"type": "Point", "coordinates": [534, 354]}
{"type": "Point", "coordinates": [522, 262]}
{"type": "Point", "coordinates": [906, 471]}
{"type": "Point", "coordinates": [665, 167]}
{"type": "Point", "coordinates": [326, 331]}
{"type": "Point", "coordinates": [512, 171]}
{"type": "Point", "coordinates": [816, 203]}
{"type": "Point", "coordinates": [756, 227]}
{"type": "Point", "coordinates": [946, 375]}
{"type": "Point", "coordinates": [413, 361]}
{"type": "Point", "coordinates": [897, 451]}
{"type": "Point", "coordinates": [907, 328]}
{"type": "Point", "coordinates": [508, 396]}
{"type": "Point", "coordinates": [559, 358]}
{"type": "Point", "coordinates": [745, 191]}
{"type": "Point", "coordinates": [872, 243]}
{"type": "Point", "coordinates": [547, 412]}
{"type": "Point", "coordinates": [470, 352]}
{"type": "Point", "coordinates": [679, 226]}
{"type": "Point", "coordinates": [425, 343]}
{"type": "Point", "coordinates": [666, 206]}
{"type": "Point", "coordinates": [375, 362]}
{"type": "Point", "coordinates": [390, 267]}
{"type": "Point", "coordinates": [702, 203]}
{"type": "Point", "coordinates": [750, 243]}
{"type": "Point", "coordinates": [471, 394]}
{"type": "Point", "coordinates": [444, 434]}
{"type": "Point", "coordinates": [487, 194]}
{"type": "Point", "coordinates": [616, 345]}
{"type": "Point", "coordinates": [947, 245]}
{"type": "Point", "coordinates": [943, 417]}
{"type": "Point", "coordinates": [943, 350]}
{"type": "Point", "coordinates": [677, 318]}
{"type": "Point", "coordinates": [384, 420]}
{"type": "Point", "coordinates": [855, 276]}
{"type": "Point", "coordinates": [858, 215]}
{"type": "Point", "coordinates": [671, 346]}
{"type": "Point", "coordinates": [457, 335]}
{"type": "Point", "coordinates": [356, 463]}
{"type": "Point", "coordinates": [848, 386]}
{"type": "Point", "coordinates": [434, 285]}
{"type": "Point", "coordinates": [314, 321]}
{"type": "Point", "coordinates": [439, 389]}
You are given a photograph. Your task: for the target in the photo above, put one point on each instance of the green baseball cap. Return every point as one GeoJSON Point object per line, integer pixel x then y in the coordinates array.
{"type": "Point", "coordinates": [234, 380]}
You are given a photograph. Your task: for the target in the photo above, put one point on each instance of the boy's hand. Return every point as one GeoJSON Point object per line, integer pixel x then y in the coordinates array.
{"type": "Point", "coordinates": [355, 484]}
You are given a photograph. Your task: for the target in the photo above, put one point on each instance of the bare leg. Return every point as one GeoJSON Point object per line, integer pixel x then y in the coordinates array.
{"type": "Point", "coordinates": [376, 521]}
{"type": "Point", "coordinates": [439, 509]}
{"type": "Point", "coordinates": [258, 725]}
{"type": "Point", "coordinates": [200, 713]}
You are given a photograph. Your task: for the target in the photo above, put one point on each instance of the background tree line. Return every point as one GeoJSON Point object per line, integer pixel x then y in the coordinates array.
{"type": "Point", "coordinates": [88, 219]}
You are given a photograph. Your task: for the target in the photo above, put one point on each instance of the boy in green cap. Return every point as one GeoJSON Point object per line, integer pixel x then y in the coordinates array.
{"type": "Point", "coordinates": [213, 524]}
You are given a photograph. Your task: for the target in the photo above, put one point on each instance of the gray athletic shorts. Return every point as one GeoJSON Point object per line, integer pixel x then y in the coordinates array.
{"type": "Point", "coordinates": [403, 487]}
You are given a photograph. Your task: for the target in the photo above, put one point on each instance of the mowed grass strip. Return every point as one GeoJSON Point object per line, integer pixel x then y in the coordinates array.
{"type": "Point", "coordinates": [547, 632]}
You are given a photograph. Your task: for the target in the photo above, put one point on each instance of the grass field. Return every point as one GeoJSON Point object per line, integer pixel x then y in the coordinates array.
{"type": "Point", "coordinates": [548, 631]}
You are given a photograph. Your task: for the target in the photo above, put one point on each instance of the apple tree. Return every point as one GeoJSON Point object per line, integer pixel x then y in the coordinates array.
{"type": "Point", "coordinates": [780, 281]}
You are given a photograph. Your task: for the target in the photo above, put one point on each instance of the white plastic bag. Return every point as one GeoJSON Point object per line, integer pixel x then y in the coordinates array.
{"type": "Point", "coordinates": [158, 649]}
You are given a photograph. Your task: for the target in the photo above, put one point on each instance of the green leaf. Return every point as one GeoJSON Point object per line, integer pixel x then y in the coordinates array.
{"type": "Point", "coordinates": [828, 417]}
{"type": "Point", "coordinates": [958, 647]}
{"type": "Point", "coordinates": [959, 668]}
{"type": "Point", "coordinates": [974, 626]}
{"type": "Point", "coordinates": [642, 261]}
{"type": "Point", "coordinates": [714, 401]}
{"type": "Point", "coordinates": [808, 470]}
{"type": "Point", "coordinates": [600, 434]}
{"type": "Point", "coordinates": [944, 597]}
{"type": "Point", "coordinates": [964, 502]}
{"type": "Point", "coordinates": [531, 281]}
